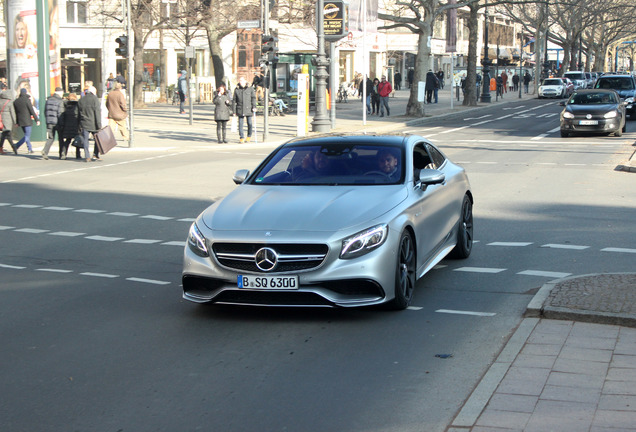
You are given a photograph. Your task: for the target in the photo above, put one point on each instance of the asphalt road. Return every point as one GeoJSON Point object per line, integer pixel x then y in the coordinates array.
{"type": "Point", "coordinates": [95, 336]}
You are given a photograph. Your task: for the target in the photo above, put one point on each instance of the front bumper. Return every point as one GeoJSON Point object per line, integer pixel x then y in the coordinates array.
{"type": "Point", "coordinates": [602, 126]}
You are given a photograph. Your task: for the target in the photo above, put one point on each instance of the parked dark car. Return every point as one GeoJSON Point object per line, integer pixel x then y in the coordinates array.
{"type": "Point", "coordinates": [624, 85]}
{"type": "Point", "coordinates": [595, 111]}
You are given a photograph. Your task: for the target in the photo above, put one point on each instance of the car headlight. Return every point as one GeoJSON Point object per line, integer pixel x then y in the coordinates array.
{"type": "Point", "coordinates": [364, 241]}
{"type": "Point", "coordinates": [568, 115]}
{"type": "Point", "coordinates": [196, 241]}
{"type": "Point", "coordinates": [611, 114]}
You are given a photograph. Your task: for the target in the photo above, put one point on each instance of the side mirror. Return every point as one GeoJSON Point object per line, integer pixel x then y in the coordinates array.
{"type": "Point", "coordinates": [240, 176]}
{"type": "Point", "coordinates": [431, 177]}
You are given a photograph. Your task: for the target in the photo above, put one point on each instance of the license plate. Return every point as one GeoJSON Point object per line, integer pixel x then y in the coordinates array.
{"type": "Point", "coordinates": [268, 282]}
{"type": "Point", "coordinates": [588, 122]}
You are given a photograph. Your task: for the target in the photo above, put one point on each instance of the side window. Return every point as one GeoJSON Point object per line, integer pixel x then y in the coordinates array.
{"type": "Point", "coordinates": [436, 155]}
{"type": "Point", "coordinates": [421, 160]}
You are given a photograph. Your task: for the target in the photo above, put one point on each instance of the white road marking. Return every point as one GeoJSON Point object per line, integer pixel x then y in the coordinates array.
{"type": "Point", "coordinates": [57, 208]}
{"type": "Point", "coordinates": [27, 206]}
{"type": "Point", "coordinates": [564, 246]}
{"type": "Point", "coordinates": [102, 275]}
{"type": "Point", "coordinates": [544, 273]}
{"type": "Point", "coordinates": [54, 270]}
{"type": "Point", "coordinates": [91, 211]}
{"type": "Point", "coordinates": [513, 244]}
{"type": "Point", "coordinates": [5, 227]}
{"type": "Point", "coordinates": [150, 281]}
{"type": "Point", "coordinates": [142, 241]}
{"type": "Point", "coordinates": [174, 243]}
{"type": "Point", "coordinates": [480, 269]}
{"type": "Point", "coordinates": [186, 220]}
{"type": "Point", "coordinates": [415, 308]}
{"type": "Point", "coordinates": [67, 234]}
{"type": "Point", "coordinates": [31, 230]}
{"type": "Point", "coordinates": [155, 217]}
{"type": "Point", "coordinates": [477, 118]}
{"type": "Point", "coordinates": [458, 312]}
{"type": "Point", "coordinates": [5, 204]}
{"type": "Point", "coordinates": [122, 214]}
{"type": "Point", "coordinates": [104, 238]}
{"type": "Point", "coordinates": [622, 250]}
{"type": "Point", "coordinates": [12, 267]}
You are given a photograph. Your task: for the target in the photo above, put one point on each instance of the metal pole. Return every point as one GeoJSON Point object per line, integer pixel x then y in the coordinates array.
{"type": "Point", "coordinates": [131, 76]}
{"type": "Point", "coordinates": [321, 121]}
{"type": "Point", "coordinates": [333, 83]}
{"type": "Point", "coordinates": [451, 77]}
{"type": "Point", "coordinates": [485, 93]}
{"type": "Point", "coordinates": [520, 61]}
{"type": "Point", "coordinates": [268, 74]}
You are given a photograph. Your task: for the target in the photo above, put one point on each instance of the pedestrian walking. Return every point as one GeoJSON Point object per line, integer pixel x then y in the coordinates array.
{"type": "Point", "coordinates": [440, 78]}
{"type": "Point", "coordinates": [375, 97]}
{"type": "Point", "coordinates": [504, 82]}
{"type": "Point", "coordinates": [384, 89]}
{"type": "Point", "coordinates": [110, 82]}
{"type": "Point", "coordinates": [222, 112]}
{"type": "Point", "coordinates": [7, 114]}
{"type": "Point", "coordinates": [431, 84]}
{"type": "Point", "coordinates": [182, 90]}
{"type": "Point", "coordinates": [244, 107]}
{"type": "Point", "coordinates": [369, 90]}
{"type": "Point", "coordinates": [53, 107]}
{"type": "Point", "coordinates": [500, 85]}
{"type": "Point", "coordinates": [121, 80]}
{"type": "Point", "coordinates": [25, 114]}
{"type": "Point", "coordinates": [90, 120]}
{"type": "Point", "coordinates": [397, 80]}
{"type": "Point", "coordinates": [515, 82]}
{"type": "Point", "coordinates": [68, 126]}
{"type": "Point", "coordinates": [409, 76]}
{"type": "Point", "coordinates": [526, 81]}
{"type": "Point", "coordinates": [117, 111]}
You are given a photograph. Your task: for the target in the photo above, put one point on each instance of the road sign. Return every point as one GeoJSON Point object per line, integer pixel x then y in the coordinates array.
{"type": "Point", "coordinates": [248, 24]}
{"type": "Point", "coordinates": [189, 52]}
{"type": "Point", "coordinates": [336, 22]}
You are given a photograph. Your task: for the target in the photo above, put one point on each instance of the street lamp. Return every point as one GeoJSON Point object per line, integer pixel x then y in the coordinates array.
{"type": "Point", "coordinates": [485, 69]}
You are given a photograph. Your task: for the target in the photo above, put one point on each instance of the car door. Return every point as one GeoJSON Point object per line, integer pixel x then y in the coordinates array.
{"type": "Point", "coordinates": [433, 208]}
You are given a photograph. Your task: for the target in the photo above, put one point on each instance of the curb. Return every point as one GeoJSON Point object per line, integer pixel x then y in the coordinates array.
{"type": "Point", "coordinates": [629, 165]}
{"type": "Point", "coordinates": [537, 307]}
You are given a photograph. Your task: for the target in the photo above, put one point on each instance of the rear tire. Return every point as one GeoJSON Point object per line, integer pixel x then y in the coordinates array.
{"type": "Point", "coordinates": [404, 273]}
{"type": "Point", "coordinates": [464, 232]}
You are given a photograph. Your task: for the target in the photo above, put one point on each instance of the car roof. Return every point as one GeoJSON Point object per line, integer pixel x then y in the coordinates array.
{"type": "Point", "coordinates": [585, 91]}
{"type": "Point", "coordinates": [355, 139]}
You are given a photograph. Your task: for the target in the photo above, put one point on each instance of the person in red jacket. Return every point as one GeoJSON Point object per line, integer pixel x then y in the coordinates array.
{"type": "Point", "coordinates": [385, 89]}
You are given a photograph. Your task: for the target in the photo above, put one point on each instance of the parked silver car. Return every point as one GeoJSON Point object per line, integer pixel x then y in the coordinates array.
{"type": "Point", "coordinates": [335, 220]}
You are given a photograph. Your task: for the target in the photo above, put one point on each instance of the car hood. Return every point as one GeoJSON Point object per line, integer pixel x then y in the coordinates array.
{"type": "Point", "coordinates": [301, 208]}
{"type": "Point", "coordinates": [552, 87]}
{"type": "Point", "coordinates": [591, 109]}
{"type": "Point", "coordinates": [626, 93]}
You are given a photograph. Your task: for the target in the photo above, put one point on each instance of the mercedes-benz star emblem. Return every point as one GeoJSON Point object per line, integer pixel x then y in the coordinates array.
{"type": "Point", "coordinates": [589, 116]}
{"type": "Point", "coordinates": [266, 259]}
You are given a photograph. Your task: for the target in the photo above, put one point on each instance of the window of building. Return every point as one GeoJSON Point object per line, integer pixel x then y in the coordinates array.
{"type": "Point", "coordinates": [76, 12]}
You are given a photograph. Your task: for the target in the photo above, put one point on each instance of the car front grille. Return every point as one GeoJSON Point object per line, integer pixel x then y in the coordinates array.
{"type": "Point", "coordinates": [291, 257]}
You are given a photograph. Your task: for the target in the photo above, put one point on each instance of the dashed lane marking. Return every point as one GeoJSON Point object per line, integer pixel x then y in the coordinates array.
{"type": "Point", "coordinates": [51, 270]}
{"type": "Point", "coordinates": [555, 275]}
{"type": "Point", "coordinates": [67, 234]}
{"type": "Point", "coordinates": [564, 246]}
{"type": "Point", "coordinates": [479, 269]}
{"type": "Point", "coordinates": [511, 244]}
{"type": "Point", "coordinates": [460, 312]}
{"type": "Point", "coordinates": [101, 275]}
{"type": "Point", "coordinates": [620, 250]}
{"type": "Point", "coordinates": [104, 238]}
{"type": "Point", "coordinates": [149, 281]}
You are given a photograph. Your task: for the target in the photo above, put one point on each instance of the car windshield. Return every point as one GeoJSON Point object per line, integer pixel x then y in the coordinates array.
{"type": "Point", "coordinates": [575, 75]}
{"type": "Point", "coordinates": [549, 82]}
{"type": "Point", "coordinates": [592, 98]}
{"type": "Point", "coordinates": [615, 83]}
{"type": "Point", "coordinates": [334, 164]}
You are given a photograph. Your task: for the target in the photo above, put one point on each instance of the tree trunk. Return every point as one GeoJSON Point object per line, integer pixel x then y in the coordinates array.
{"type": "Point", "coordinates": [136, 79]}
{"type": "Point", "coordinates": [214, 43]}
{"type": "Point", "coordinates": [470, 94]}
{"type": "Point", "coordinates": [422, 65]}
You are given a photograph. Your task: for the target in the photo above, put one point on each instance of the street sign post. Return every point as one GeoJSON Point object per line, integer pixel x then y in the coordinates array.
{"type": "Point", "coordinates": [249, 24]}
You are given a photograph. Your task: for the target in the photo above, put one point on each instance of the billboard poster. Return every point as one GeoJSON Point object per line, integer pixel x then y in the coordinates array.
{"type": "Point", "coordinates": [22, 46]}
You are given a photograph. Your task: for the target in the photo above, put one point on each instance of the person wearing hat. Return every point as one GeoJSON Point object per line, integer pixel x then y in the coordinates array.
{"type": "Point", "coordinates": [25, 114]}
{"type": "Point", "coordinates": [52, 110]}
{"type": "Point", "coordinates": [182, 90]}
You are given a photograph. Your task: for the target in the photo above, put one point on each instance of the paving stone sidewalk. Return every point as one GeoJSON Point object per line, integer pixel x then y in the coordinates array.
{"type": "Point", "coordinates": [569, 367]}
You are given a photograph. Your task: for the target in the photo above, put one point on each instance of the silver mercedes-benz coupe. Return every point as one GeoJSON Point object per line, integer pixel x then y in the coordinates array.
{"type": "Point", "coordinates": [333, 220]}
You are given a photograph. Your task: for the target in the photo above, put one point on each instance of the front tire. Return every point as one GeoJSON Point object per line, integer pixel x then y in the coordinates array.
{"type": "Point", "coordinates": [564, 134]}
{"type": "Point", "coordinates": [404, 273]}
{"type": "Point", "coordinates": [464, 231]}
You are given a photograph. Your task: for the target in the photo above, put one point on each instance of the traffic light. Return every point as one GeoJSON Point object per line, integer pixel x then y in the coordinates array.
{"type": "Point", "coordinates": [122, 49]}
{"type": "Point", "coordinates": [269, 49]}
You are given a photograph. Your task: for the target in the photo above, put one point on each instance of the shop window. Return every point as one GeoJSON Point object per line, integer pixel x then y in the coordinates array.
{"type": "Point", "coordinates": [76, 12]}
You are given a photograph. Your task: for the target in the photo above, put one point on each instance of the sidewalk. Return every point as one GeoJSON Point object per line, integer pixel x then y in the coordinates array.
{"type": "Point", "coordinates": [570, 366]}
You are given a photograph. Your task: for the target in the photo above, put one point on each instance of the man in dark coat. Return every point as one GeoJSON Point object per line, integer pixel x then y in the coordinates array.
{"type": "Point", "coordinates": [68, 126]}
{"type": "Point", "coordinates": [244, 107]}
{"type": "Point", "coordinates": [52, 110]}
{"type": "Point", "coordinates": [25, 114]}
{"type": "Point", "coordinates": [90, 119]}
{"type": "Point", "coordinates": [431, 84]}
